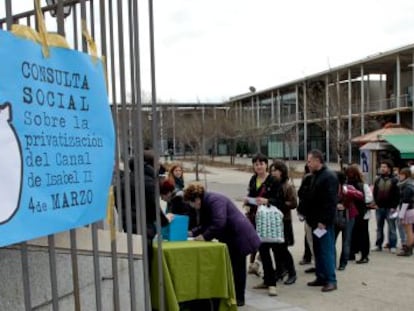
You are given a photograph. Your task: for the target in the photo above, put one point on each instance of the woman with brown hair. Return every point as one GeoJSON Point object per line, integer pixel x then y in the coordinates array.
{"type": "Point", "coordinates": [360, 233]}
{"type": "Point", "coordinates": [346, 213]}
{"type": "Point", "coordinates": [176, 176]}
{"type": "Point", "coordinates": [174, 185]}
{"type": "Point", "coordinates": [220, 219]}
{"type": "Point", "coordinates": [287, 201]}
{"type": "Point", "coordinates": [406, 209]}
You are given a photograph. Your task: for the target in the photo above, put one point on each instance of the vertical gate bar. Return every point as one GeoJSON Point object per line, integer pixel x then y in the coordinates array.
{"type": "Point", "coordinates": [94, 227]}
{"type": "Point", "coordinates": [83, 18]}
{"type": "Point", "coordinates": [124, 121]}
{"type": "Point", "coordinates": [52, 268]}
{"type": "Point", "coordinates": [134, 122]}
{"type": "Point", "coordinates": [59, 18]}
{"type": "Point", "coordinates": [9, 14]}
{"type": "Point", "coordinates": [132, 68]}
{"type": "Point", "coordinates": [115, 109]}
{"type": "Point", "coordinates": [96, 266]}
{"type": "Point", "coordinates": [118, 193]}
{"type": "Point", "coordinates": [134, 96]}
{"type": "Point", "coordinates": [115, 286]}
{"type": "Point", "coordinates": [75, 27]}
{"type": "Point", "coordinates": [92, 13]}
{"type": "Point", "coordinates": [139, 180]}
{"type": "Point", "coordinates": [114, 259]}
{"type": "Point", "coordinates": [156, 153]}
{"type": "Point", "coordinates": [75, 269]}
{"type": "Point", "coordinates": [25, 275]}
{"type": "Point", "coordinates": [124, 136]}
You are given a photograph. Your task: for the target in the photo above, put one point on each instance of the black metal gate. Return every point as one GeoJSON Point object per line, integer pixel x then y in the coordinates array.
{"type": "Point", "coordinates": [91, 268]}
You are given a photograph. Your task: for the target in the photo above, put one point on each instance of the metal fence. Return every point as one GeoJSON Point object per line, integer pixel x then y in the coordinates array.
{"type": "Point", "coordinates": [114, 25]}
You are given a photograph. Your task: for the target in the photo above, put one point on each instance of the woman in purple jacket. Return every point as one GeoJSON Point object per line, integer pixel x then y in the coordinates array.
{"type": "Point", "coordinates": [220, 219]}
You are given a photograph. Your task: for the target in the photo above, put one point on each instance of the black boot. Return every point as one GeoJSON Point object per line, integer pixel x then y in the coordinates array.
{"type": "Point", "coordinates": [406, 251]}
{"type": "Point", "coordinates": [291, 279]}
{"type": "Point", "coordinates": [280, 275]}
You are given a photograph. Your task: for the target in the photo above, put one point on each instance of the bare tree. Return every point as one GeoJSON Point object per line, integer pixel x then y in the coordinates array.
{"type": "Point", "coordinates": [195, 129]}
{"type": "Point", "coordinates": [327, 104]}
{"type": "Point", "coordinates": [239, 127]}
{"type": "Point", "coordinates": [229, 130]}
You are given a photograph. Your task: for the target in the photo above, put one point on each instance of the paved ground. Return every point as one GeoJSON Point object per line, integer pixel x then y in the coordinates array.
{"type": "Point", "coordinates": [386, 282]}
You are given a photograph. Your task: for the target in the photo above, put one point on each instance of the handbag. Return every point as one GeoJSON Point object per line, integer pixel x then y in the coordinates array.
{"type": "Point", "coordinates": [269, 224]}
{"type": "Point", "coordinates": [341, 218]}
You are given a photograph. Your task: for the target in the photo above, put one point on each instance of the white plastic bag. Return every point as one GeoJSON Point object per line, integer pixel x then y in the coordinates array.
{"type": "Point", "coordinates": [369, 198]}
{"type": "Point", "coordinates": [269, 224]}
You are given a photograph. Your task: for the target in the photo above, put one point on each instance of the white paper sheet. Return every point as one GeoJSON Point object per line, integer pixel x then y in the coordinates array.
{"type": "Point", "coordinates": [251, 201]}
{"type": "Point", "coordinates": [319, 232]}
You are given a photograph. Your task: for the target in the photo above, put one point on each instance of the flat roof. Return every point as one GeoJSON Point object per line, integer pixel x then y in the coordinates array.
{"type": "Point", "coordinates": [380, 62]}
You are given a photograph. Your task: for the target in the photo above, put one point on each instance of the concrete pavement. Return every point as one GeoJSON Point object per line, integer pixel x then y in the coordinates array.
{"type": "Point", "coordinates": [386, 282]}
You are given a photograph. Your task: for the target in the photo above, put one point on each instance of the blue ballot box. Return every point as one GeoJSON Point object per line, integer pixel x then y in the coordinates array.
{"type": "Point", "coordinates": [177, 230]}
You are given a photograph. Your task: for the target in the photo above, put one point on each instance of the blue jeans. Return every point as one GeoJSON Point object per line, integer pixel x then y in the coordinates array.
{"type": "Point", "coordinates": [324, 248]}
{"type": "Point", "coordinates": [401, 232]}
{"type": "Point", "coordinates": [346, 241]}
{"type": "Point", "coordinates": [383, 214]}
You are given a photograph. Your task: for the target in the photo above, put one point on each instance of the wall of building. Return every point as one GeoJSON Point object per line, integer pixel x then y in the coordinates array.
{"type": "Point", "coordinates": [374, 85]}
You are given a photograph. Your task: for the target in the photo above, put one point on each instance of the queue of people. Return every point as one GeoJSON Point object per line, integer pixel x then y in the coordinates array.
{"type": "Point", "coordinates": [328, 202]}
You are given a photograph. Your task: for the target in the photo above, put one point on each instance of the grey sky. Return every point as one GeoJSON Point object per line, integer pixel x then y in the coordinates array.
{"type": "Point", "coordinates": [209, 50]}
{"type": "Point", "coordinates": [215, 49]}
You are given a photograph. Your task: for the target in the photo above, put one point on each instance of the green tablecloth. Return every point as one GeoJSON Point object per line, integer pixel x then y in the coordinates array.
{"type": "Point", "coordinates": [194, 270]}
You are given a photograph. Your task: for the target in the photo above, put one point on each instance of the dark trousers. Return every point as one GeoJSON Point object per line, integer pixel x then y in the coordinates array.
{"type": "Point", "coordinates": [283, 259]}
{"type": "Point", "coordinates": [307, 255]}
{"type": "Point", "coordinates": [238, 264]}
{"type": "Point", "coordinates": [269, 277]}
{"type": "Point", "coordinates": [360, 237]}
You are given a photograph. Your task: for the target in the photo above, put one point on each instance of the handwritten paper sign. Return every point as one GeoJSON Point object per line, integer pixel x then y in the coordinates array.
{"type": "Point", "coordinates": [56, 138]}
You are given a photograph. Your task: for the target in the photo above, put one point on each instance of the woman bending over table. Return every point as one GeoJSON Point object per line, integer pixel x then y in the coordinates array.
{"type": "Point", "coordinates": [220, 219]}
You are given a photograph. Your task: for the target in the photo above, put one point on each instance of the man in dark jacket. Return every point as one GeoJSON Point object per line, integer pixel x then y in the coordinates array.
{"type": "Point", "coordinates": [386, 197]}
{"type": "Point", "coordinates": [320, 215]}
{"type": "Point", "coordinates": [303, 194]}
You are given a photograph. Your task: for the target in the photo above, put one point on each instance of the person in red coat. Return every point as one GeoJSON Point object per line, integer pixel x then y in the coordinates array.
{"type": "Point", "coordinates": [348, 196]}
{"type": "Point", "coordinates": [220, 219]}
